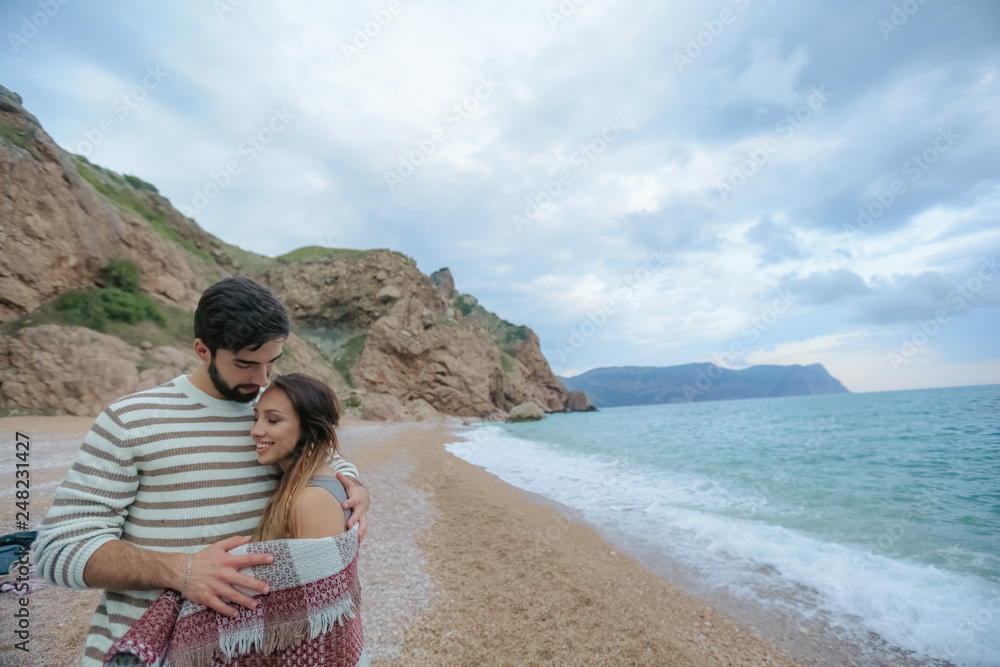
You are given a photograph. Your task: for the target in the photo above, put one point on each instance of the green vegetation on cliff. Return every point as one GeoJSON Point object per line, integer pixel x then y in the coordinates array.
{"type": "Point", "coordinates": [119, 309]}
{"type": "Point", "coordinates": [18, 127]}
{"type": "Point", "coordinates": [122, 192]}
{"type": "Point", "coordinates": [95, 309]}
{"type": "Point", "coordinates": [19, 136]}
{"type": "Point", "coordinates": [133, 195]}
{"type": "Point", "coordinates": [312, 253]}
{"type": "Point", "coordinates": [174, 326]}
{"type": "Point", "coordinates": [119, 301]}
{"type": "Point", "coordinates": [245, 261]}
{"type": "Point", "coordinates": [464, 305]}
{"type": "Point", "coordinates": [344, 362]}
{"type": "Point", "coordinates": [505, 334]}
{"type": "Point", "coordinates": [123, 274]}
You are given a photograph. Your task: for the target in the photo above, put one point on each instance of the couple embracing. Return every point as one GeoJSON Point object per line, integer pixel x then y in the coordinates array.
{"type": "Point", "coordinates": [182, 492]}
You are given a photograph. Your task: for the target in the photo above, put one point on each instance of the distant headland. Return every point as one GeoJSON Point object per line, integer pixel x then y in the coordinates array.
{"type": "Point", "coordinates": [645, 385]}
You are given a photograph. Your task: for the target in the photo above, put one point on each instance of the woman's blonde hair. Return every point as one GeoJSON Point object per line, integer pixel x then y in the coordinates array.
{"type": "Point", "coordinates": [318, 411]}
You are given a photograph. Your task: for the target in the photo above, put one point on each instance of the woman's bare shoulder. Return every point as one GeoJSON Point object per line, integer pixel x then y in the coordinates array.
{"type": "Point", "coordinates": [317, 513]}
{"type": "Point", "coordinates": [315, 499]}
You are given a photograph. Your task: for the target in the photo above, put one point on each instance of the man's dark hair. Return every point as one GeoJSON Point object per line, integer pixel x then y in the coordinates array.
{"type": "Point", "coordinates": [237, 313]}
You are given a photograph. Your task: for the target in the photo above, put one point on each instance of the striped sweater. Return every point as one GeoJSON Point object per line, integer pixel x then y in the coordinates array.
{"type": "Point", "coordinates": [170, 469]}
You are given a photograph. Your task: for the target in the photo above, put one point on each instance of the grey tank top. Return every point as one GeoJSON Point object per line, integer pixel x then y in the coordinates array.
{"type": "Point", "coordinates": [332, 485]}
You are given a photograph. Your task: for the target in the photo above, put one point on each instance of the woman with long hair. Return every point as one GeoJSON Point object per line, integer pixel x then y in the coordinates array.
{"type": "Point", "coordinates": [311, 613]}
{"type": "Point", "coordinates": [294, 425]}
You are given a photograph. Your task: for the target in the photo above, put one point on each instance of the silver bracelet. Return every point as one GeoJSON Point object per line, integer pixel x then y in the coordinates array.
{"type": "Point", "coordinates": [187, 577]}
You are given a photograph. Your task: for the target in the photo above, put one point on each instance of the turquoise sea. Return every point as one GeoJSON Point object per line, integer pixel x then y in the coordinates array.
{"type": "Point", "coordinates": [870, 518]}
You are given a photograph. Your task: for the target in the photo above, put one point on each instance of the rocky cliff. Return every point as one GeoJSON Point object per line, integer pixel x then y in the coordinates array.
{"type": "Point", "coordinates": [643, 385]}
{"type": "Point", "coordinates": [58, 231]}
{"type": "Point", "coordinates": [393, 342]}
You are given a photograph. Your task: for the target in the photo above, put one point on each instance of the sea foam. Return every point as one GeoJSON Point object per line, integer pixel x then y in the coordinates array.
{"type": "Point", "coordinates": [717, 531]}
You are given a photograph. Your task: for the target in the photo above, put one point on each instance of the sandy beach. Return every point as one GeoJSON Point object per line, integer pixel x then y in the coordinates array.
{"type": "Point", "coordinates": [458, 568]}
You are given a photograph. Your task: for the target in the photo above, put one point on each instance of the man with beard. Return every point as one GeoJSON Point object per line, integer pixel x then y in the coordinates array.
{"type": "Point", "coordinates": [167, 480]}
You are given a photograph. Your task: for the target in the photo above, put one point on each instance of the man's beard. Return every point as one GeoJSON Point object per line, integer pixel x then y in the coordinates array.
{"type": "Point", "coordinates": [228, 393]}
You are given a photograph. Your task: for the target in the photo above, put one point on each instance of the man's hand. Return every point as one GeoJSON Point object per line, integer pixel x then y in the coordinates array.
{"type": "Point", "coordinates": [214, 573]}
{"type": "Point", "coordinates": [120, 566]}
{"type": "Point", "coordinates": [358, 500]}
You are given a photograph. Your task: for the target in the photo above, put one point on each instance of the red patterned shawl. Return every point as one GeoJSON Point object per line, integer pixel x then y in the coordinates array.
{"type": "Point", "coordinates": [311, 616]}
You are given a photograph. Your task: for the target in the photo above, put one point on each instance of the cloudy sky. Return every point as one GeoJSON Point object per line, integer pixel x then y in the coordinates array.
{"type": "Point", "coordinates": [642, 183]}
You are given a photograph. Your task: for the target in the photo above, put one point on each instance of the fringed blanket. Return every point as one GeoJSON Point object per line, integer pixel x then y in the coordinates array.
{"type": "Point", "coordinates": [312, 616]}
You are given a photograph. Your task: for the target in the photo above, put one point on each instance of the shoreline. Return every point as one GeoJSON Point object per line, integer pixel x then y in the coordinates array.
{"type": "Point", "coordinates": [815, 640]}
{"type": "Point", "coordinates": [458, 567]}
{"type": "Point", "coordinates": [520, 582]}
{"type": "Point", "coordinates": [779, 610]}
